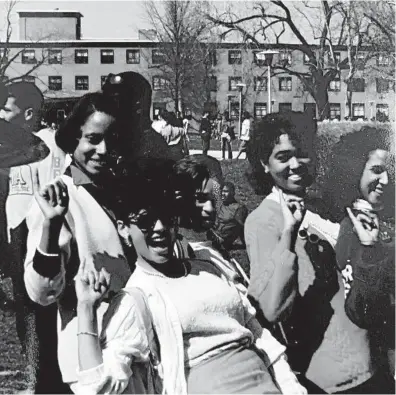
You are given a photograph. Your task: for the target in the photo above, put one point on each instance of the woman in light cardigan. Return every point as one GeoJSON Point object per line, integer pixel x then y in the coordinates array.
{"type": "Point", "coordinates": [72, 221]}
{"type": "Point", "coordinates": [294, 280]}
{"type": "Point", "coordinates": [209, 340]}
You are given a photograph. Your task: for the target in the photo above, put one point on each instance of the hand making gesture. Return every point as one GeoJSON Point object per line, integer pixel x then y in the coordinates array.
{"type": "Point", "coordinates": [91, 285]}
{"type": "Point", "coordinates": [293, 210]}
{"type": "Point", "coordinates": [365, 226]}
{"type": "Point", "coordinates": [52, 198]}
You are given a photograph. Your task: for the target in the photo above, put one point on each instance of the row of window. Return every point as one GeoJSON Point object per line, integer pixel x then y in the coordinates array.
{"type": "Point", "coordinates": [260, 84]}
{"type": "Point", "coordinates": [132, 56]}
{"type": "Point", "coordinates": [358, 109]}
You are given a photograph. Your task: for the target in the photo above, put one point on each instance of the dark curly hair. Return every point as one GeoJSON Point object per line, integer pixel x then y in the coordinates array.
{"type": "Point", "coordinates": [345, 167]}
{"type": "Point", "coordinates": [300, 128]}
{"type": "Point", "coordinates": [69, 132]}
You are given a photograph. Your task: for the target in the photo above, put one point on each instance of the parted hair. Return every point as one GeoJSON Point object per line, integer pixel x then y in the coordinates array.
{"type": "Point", "coordinates": [69, 132]}
{"type": "Point", "coordinates": [300, 128]}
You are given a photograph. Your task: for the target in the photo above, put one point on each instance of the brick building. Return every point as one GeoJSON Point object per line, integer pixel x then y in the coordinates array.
{"type": "Point", "coordinates": [73, 66]}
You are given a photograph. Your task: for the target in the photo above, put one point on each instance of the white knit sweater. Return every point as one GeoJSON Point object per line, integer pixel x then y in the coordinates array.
{"type": "Point", "coordinates": [90, 229]}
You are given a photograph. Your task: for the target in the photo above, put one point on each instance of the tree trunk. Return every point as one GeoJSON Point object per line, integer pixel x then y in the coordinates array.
{"type": "Point", "coordinates": [348, 107]}
{"type": "Point", "coordinates": [322, 102]}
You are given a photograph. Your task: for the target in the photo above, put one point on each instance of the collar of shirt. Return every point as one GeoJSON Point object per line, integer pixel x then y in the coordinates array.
{"type": "Point", "coordinates": [78, 176]}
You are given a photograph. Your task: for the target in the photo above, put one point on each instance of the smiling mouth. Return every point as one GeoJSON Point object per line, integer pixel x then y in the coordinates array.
{"type": "Point", "coordinates": [98, 162]}
{"type": "Point", "coordinates": [378, 191]}
{"type": "Point", "coordinates": [295, 177]}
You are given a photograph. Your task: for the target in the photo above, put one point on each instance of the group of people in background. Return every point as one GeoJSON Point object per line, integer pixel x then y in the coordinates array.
{"type": "Point", "coordinates": [111, 232]}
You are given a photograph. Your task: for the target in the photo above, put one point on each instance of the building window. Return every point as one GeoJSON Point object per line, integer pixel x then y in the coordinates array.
{"type": "Point", "coordinates": [2, 53]}
{"type": "Point", "coordinates": [55, 83]}
{"type": "Point", "coordinates": [159, 83]}
{"type": "Point", "coordinates": [212, 57]}
{"type": "Point", "coordinates": [357, 110]}
{"type": "Point", "coordinates": [234, 107]}
{"type": "Point", "coordinates": [157, 57]}
{"type": "Point", "coordinates": [337, 57]}
{"type": "Point", "coordinates": [356, 85]}
{"type": "Point", "coordinates": [260, 110]}
{"type": "Point", "coordinates": [133, 56]}
{"type": "Point", "coordinates": [285, 107]}
{"type": "Point", "coordinates": [232, 83]}
{"type": "Point", "coordinates": [256, 60]}
{"type": "Point", "coordinates": [213, 83]}
{"type": "Point", "coordinates": [335, 85]}
{"type": "Point", "coordinates": [360, 61]}
{"type": "Point", "coordinates": [106, 56]}
{"type": "Point", "coordinates": [383, 60]}
{"type": "Point", "coordinates": [335, 111]}
{"type": "Point", "coordinates": [157, 106]}
{"type": "Point", "coordinates": [29, 56]}
{"type": "Point", "coordinates": [382, 111]}
{"type": "Point", "coordinates": [285, 83]}
{"type": "Point", "coordinates": [82, 83]}
{"type": "Point", "coordinates": [285, 58]}
{"type": "Point", "coordinates": [54, 56]}
{"type": "Point", "coordinates": [81, 56]}
{"type": "Point", "coordinates": [235, 57]}
{"type": "Point", "coordinates": [384, 85]}
{"type": "Point", "coordinates": [260, 84]}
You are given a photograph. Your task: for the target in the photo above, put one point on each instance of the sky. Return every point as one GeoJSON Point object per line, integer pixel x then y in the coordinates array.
{"type": "Point", "coordinates": [105, 19]}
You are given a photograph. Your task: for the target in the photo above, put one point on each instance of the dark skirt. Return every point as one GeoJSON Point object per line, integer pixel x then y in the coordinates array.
{"type": "Point", "coordinates": [237, 371]}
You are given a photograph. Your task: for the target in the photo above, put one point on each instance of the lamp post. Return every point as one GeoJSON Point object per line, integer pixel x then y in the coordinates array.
{"type": "Point", "coordinates": [266, 57]}
{"type": "Point", "coordinates": [229, 97]}
{"type": "Point", "coordinates": [240, 86]}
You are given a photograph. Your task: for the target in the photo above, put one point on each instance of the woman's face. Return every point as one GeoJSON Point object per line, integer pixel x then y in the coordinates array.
{"type": "Point", "coordinates": [288, 166]}
{"type": "Point", "coordinates": [375, 177]}
{"type": "Point", "coordinates": [153, 238]}
{"type": "Point", "coordinates": [92, 152]}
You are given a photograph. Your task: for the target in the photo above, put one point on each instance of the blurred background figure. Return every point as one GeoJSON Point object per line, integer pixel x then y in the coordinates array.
{"type": "Point", "coordinates": [245, 134]}
{"type": "Point", "coordinates": [205, 131]}
{"type": "Point", "coordinates": [230, 220]}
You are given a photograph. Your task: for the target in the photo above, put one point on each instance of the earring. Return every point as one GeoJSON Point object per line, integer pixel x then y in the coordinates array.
{"type": "Point", "coordinates": [128, 241]}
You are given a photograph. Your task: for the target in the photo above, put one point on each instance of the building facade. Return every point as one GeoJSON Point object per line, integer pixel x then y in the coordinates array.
{"type": "Point", "coordinates": [52, 53]}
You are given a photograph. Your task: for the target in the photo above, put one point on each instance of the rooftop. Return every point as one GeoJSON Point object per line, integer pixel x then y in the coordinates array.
{"type": "Point", "coordinates": [47, 13]}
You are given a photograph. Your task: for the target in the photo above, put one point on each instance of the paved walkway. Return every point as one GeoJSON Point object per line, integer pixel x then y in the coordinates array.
{"type": "Point", "coordinates": [217, 153]}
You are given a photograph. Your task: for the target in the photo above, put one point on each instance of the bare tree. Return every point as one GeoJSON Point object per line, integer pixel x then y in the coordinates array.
{"type": "Point", "coordinates": [10, 55]}
{"type": "Point", "coordinates": [318, 28]}
{"type": "Point", "coordinates": [186, 50]}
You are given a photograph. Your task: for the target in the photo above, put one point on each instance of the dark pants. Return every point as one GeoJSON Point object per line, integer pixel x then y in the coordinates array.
{"type": "Point", "coordinates": [225, 143]}
{"type": "Point", "coordinates": [205, 146]}
{"type": "Point", "coordinates": [36, 325]}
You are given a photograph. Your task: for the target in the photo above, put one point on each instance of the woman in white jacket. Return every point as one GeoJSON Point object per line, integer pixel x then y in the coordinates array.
{"type": "Point", "coordinates": [179, 326]}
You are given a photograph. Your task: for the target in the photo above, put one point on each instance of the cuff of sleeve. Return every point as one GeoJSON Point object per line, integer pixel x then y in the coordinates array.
{"type": "Point", "coordinates": [46, 265]}
{"type": "Point", "coordinates": [91, 376]}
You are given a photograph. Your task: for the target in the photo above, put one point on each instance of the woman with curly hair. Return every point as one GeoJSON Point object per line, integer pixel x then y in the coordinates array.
{"type": "Point", "coordinates": [294, 281]}
{"type": "Point", "coordinates": [361, 180]}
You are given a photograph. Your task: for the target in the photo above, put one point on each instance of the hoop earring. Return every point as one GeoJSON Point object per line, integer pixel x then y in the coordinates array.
{"type": "Point", "coordinates": [128, 241]}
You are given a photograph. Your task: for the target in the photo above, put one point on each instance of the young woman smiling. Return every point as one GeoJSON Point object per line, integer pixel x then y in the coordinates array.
{"type": "Point", "coordinates": [293, 280]}
{"type": "Point", "coordinates": [72, 221]}
{"type": "Point", "coordinates": [179, 326]}
{"type": "Point", "coordinates": [361, 179]}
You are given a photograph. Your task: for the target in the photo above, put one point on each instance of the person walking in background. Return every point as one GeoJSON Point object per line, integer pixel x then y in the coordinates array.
{"type": "Point", "coordinates": [205, 132]}
{"type": "Point", "coordinates": [173, 136]}
{"type": "Point", "coordinates": [227, 135]}
{"type": "Point", "coordinates": [245, 134]}
{"type": "Point", "coordinates": [160, 122]}
{"type": "Point", "coordinates": [186, 128]}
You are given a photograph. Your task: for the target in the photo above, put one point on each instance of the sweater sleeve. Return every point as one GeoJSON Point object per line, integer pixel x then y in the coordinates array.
{"type": "Point", "coordinates": [44, 275]}
{"type": "Point", "coordinates": [123, 342]}
{"type": "Point", "coordinates": [368, 303]}
{"type": "Point", "coordinates": [273, 273]}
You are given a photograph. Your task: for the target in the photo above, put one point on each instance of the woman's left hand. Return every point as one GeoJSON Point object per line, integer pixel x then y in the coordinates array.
{"type": "Point", "coordinates": [91, 285]}
{"type": "Point", "coordinates": [365, 226]}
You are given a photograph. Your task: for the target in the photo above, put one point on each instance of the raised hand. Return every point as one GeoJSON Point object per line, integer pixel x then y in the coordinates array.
{"type": "Point", "coordinates": [91, 285]}
{"type": "Point", "coordinates": [53, 199]}
{"type": "Point", "coordinates": [292, 209]}
{"type": "Point", "coordinates": [365, 226]}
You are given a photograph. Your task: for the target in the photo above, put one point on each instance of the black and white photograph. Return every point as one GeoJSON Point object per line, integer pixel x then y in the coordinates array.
{"type": "Point", "coordinates": [197, 197]}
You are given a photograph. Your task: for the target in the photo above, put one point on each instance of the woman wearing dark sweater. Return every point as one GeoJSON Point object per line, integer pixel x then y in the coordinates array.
{"type": "Point", "coordinates": [362, 174]}
{"type": "Point", "coordinates": [294, 281]}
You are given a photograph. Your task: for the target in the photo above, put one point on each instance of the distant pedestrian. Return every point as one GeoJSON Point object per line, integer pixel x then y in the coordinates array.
{"type": "Point", "coordinates": [227, 135]}
{"type": "Point", "coordinates": [186, 138]}
{"type": "Point", "coordinates": [245, 133]}
{"type": "Point", "coordinates": [205, 132]}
